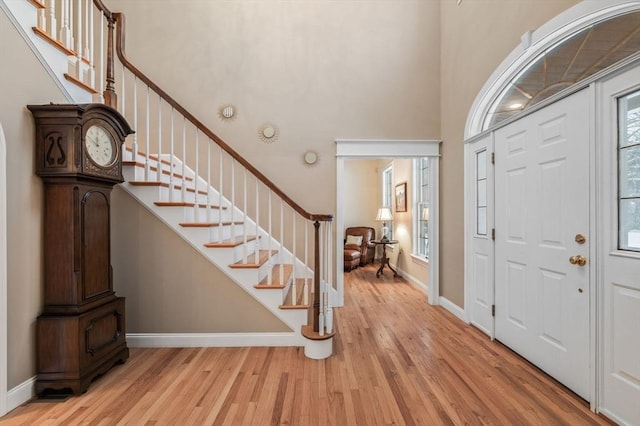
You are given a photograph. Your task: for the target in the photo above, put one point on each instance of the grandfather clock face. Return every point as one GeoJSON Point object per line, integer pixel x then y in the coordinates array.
{"type": "Point", "coordinates": [100, 145]}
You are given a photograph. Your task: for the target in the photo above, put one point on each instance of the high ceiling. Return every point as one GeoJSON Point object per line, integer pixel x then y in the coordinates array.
{"type": "Point", "coordinates": [585, 53]}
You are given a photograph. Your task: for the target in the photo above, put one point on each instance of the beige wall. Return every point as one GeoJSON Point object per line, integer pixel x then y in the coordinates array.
{"type": "Point", "coordinates": [23, 81]}
{"type": "Point", "coordinates": [318, 70]}
{"type": "Point", "coordinates": [476, 37]}
{"type": "Point", "coordinates": [169, 286]}
{"type": "Point", "coordinates": [361, 194]}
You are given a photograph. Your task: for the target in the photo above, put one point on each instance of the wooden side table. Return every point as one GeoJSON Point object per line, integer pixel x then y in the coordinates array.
{"type": "Point", "coordinates": [384, 260]}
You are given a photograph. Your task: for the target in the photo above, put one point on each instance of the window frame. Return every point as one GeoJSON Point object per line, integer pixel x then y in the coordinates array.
{"type": "Point", "coordinates": [387, 196]}
{"type": "Point", "coordinates": [421, 195]}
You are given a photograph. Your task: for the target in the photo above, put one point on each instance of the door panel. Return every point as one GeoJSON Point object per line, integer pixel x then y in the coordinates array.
{"type": "Point", "coordinates": [619, 349]}
{"type": "Point", "coordinates": [542, 202]}
{"type": "Point", "coordinates": [479, 201]}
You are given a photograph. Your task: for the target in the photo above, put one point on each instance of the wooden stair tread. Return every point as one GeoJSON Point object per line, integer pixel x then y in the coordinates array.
{"type": "Point", "coordinates": [263, 256]}
{"type": "Point", "coordinates": [287, 270]}
{"type": "Point", "coordinates": [183, 204]}
{"type": "Point", "coordinates": [299, 283]}
{"type": "Point", "coordinates": [230, 243]}
{"type": "Point", "coordinates": [208, 224]}
{"type": "Point", "coordinates": [307, 331]}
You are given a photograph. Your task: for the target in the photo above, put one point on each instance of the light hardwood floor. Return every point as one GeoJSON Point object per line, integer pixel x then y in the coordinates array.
{"type": "Point", "coordinates": [396, 360]}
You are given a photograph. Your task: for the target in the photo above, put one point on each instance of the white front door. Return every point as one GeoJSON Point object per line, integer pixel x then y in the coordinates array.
{"type": "Point", "coordinates": [542, 222]}
{"type": "Point", "coordinates": [619, 149]}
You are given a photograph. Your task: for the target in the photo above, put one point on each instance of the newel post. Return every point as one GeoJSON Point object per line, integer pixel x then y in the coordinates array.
{"type": "Point", "coordinates": [110, 96]}
{"type": "Point", "coordinates": [315, 311]}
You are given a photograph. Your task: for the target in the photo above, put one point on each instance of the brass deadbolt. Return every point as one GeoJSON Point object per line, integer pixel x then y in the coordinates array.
{"type": "Point", "coordinates": [580, 239]}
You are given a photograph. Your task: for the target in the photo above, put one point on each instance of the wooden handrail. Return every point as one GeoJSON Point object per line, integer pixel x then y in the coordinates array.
{"type": "Point", "coordinates": [119, 18]}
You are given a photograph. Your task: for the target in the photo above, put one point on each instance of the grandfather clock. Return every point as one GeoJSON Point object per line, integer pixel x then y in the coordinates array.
{"type": "Point", "coordinates": [81, 331]}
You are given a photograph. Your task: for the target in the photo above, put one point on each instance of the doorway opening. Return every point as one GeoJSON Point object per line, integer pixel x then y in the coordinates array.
{"type": "Point", "coordinates": [391, 150]}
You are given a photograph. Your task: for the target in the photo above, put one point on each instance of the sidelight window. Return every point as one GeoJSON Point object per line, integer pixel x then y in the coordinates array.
{"type": "Point", "coordinates": [629, 172]}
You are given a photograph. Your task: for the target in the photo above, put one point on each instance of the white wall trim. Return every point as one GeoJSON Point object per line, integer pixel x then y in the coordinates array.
{"type": "Point", "coordinates": [3, 274]}
{"type": "Point", "coordinates": [412, 280]}
{"type": "Point", "coordinates": [212, 340]}
{"type": "Point", "coordinates": [22, 393]}
{"type": "Point", "coordinates": [583, 14]}
{"type": "Point", "coordinates": [453, 308]}
{"type": "Point", "coordinates": [380, 148]}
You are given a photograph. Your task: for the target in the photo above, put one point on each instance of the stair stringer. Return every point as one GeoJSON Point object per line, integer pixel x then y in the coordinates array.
{"type": "Point", "coordinates": [222, 258]}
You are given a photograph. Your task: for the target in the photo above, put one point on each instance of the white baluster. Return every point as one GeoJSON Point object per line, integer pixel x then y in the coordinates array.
{"type": "Point", "coordinates": [196, 204]}
{"type": "Point", "coordinates": [233, 199]}
{"type": "Point", "coordinates": [209, 186]}
{"type": "Point", "coordinates": [134, 148]}
{"type": "Point", "coordinates": [159, 153]}
{"type": "Point", "coordinates": [220, 190]}
{"type": "Point", "coordinates": [147, 148]}
{"type": "Point", "coordinates": [329, 318]}
{"type": "Point", "coordinates": [183, 191]}
{"type": "Point", "coordinates": [52, 23]}
{"type": "Point", "coordinates": [321, 289]}
{"type": "Point", "coordinates": [305, 290]}
{"type": "Point", "coordinates": [281, 257]}
{"type": "Point", "coordinates": [171, 151]}
{"type": "Point", "coordinates": [79, 41]}
{"type": "Point", "coordinates": [294, 296]}
{"type": "Point", "coordinates": [244, 216]}
{"type": "Point", "coordinates": [90, 49]}
{"type": "Point", "coordinates": [88, 30]}
{"type": "Point", "coordinates": [269, 236]}
{"type": "Point", "coordinates": [66, 37]}
{"type": "Point", "coordinates": [102, 59]}
{"type": "Point", "coordinates": [257, 236]}
{"type": "Point", "coordinates": [42, 20]}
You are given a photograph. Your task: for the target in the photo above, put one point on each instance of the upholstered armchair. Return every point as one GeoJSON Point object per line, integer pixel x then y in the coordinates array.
{"type": "Point", "coordinates": [358, 248]}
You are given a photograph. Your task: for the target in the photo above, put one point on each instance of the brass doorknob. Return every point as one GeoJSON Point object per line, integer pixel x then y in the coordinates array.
{"type": "Point", "coordinates": [579, 260]}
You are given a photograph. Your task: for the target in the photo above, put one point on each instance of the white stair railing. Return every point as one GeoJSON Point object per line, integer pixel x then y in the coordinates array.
{"type": "Point", "coordinates": [226, 192]}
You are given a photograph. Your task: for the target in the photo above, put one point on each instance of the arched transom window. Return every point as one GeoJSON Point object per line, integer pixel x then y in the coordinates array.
{"type": "Point", "coordinates": [575, 58]}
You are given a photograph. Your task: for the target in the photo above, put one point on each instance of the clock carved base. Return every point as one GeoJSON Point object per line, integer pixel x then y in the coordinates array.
{"type": "Point", "coordinates": [75, 349]}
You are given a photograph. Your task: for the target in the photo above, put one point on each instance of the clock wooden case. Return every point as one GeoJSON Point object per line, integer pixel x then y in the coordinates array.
{"type": "Point", "coordinates": [81, 331]}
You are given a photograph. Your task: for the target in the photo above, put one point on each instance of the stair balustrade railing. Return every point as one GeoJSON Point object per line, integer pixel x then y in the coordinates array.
{"type": "Point", "coordinates": [192, 165]}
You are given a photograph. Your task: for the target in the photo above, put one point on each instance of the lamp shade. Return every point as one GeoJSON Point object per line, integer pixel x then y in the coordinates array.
{"type": "Point", "coordinates": [384, 214]}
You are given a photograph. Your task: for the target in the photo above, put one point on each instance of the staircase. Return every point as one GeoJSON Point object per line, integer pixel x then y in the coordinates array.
{"type": "Point", "coordinates": [187, 176]}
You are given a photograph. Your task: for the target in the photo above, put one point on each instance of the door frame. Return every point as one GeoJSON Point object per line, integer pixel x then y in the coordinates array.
{"type": "Point", "coordinates": [388, 148]}
{"type": "Point", "coordinates": [3, 274]}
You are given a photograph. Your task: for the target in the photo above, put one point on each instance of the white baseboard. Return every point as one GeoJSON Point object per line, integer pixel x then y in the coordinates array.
{"type": "Point", "coordinates": [453, 308]}
{"type": "Point", "coordinates": [191, 340]}
{"type": "Point", "coordinates": [413, 280]}
{"type": "Point", "coordinates": [22, 393]}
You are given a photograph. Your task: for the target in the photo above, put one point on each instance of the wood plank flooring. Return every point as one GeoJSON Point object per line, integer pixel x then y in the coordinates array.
{"type": "Point", "coordinates": [396, 360]}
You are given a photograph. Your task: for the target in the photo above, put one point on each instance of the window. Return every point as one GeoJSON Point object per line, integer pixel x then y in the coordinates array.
{"type": "Point", "coordinates": [421, 207]}
{"type": "Point", "coordinates": [481, 192]}
{"type": "Point", "coordinates": [387, 197]}
{"type": "Point", "coordinates": [629, 172]}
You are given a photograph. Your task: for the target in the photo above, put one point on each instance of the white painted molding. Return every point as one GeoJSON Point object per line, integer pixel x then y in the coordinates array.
{"type": "Point", "coordinates": [583, 14]}
{"type": "Point", "coordinates": [212, 340]}
{"type": "Point", "coordinates": [412, 280]}
{"type": "Point", "coordinates": [390, 148]}
{"type": "Point", "coordinates": [453, 308]}
{"type": "Point", "coordinates": [3, 274]}
{"type": "Point", "coordinates": [22, 393]}
{"type": "Point", "coordinates": [364, 148]}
